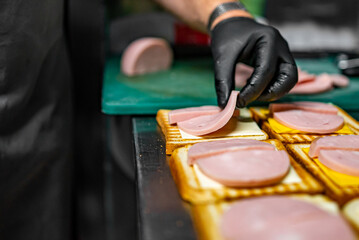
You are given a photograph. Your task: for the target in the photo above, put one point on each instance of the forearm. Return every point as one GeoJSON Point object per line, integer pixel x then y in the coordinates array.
{"type": "Point", "coordinates": [196, 12]}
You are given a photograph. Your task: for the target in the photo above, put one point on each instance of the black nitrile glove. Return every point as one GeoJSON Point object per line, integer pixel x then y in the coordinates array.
{"type": "Point", "coordinates": [241, 39]}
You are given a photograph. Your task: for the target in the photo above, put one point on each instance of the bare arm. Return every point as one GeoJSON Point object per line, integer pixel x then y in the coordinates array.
{"type": "Point", "coordinates": [196, 12]}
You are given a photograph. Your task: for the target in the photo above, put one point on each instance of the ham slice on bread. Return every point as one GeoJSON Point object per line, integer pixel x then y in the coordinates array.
{"type": "Point", "coordinates": [246, 168]}
{"type": "Point", "coordinates": [310, 122]}
{"type": "Point", "coordinates": [210, 123]}
{"type": "Point", "coordinates": [343, 161]}
{"type": "Point", "coordinates": [183, 114]}
{"type": "Point", "coordinates": [280, 217]}
{"type": "Point", "coordinates": [344, 142]}
{"type": "Point", "coordinates": [206, 149]}
{"type": "Point", "coordinates": [304, 105]}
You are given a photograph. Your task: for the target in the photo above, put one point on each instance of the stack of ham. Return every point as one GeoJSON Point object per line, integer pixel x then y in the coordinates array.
{"type": "Point", "coordinates": [307, 83]}
{"type": "Point", "coordinates": [280, 217]}
{"type": "Point", "coordinates": [204, 120]}
{"type": "Point", "coordinates": [146, 55]}
{"type": "Point", "coordinates": [240, 162]}
{"type": "Point", "coordinates": [311, 117]}
{"type": "Point", "coordinates": [339, 153]}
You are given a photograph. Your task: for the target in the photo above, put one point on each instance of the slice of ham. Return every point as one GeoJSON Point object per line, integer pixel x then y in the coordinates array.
{"type": "Point", "coordinates": [344, 142]}
{"type": "Point", "coordinates": [280, 217]}
{"type": "Point", "coordinates": [342, 161]}
{"type": "Point", "coordinates": [303, 76]}
{"type": "Point", "coordinates": [210, 123]}
{"type": "Point", "coordinates": [184, 114]}
{"type": "Point", "coordinates": [242, 74]}
{"type": "Point", "coordinates": [307, 106]}
{"type": "Point", "coordinates": [322, 83]}
{"type": "Point", "coordinates": [310, 122]}
{"type": "Point", "coordinates": [206, 149]}
{"type": "Point", "coordinates": [180, 115]}
{"type": "Point", "coordinates": [249, 168]}
{"type": "Point", "coordinates": [146, 55]}
{"type": "Point", "coordinates": [339, 80]}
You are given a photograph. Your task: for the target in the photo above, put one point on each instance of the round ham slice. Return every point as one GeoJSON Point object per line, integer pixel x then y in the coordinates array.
{"type": "Point", "coordinates": [249, 168]}
{"type": "Point", "coordinates": [205, 149]}
{"type": "Point", "coordinates": [343, 142]}
{"type": "Point", "coordinates": [342, 161]}
{"type": "Point", "coordinates": [281, 218]}
{"type": "Point", "coordinates": [303, 76]}
{"type": "Point", "coordinates": [146, 55]}
{"type": "Point", "coordinates": [309, 121]}
{"type": "Point", "coordinates": [210, 123]}
{"type": "Point", "coordinates": [322, 83]}
{"type": "Point", "coordinates": [339, 80]}
{"type": "Point", "coordinates": [306, 106]}
{"type": "Point", "coordinates": [180, 115]}
{"type": "Point", "coordinates": [242, 74]}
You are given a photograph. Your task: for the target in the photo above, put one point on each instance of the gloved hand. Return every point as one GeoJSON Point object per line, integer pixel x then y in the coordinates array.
{"type": "Point", "coordinates": [241, 39]}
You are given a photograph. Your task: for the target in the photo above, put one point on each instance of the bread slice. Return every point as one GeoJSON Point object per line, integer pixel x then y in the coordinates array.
{"type": "Point", "coordinates": [196, 188]}
{"type": "Point", "coordinates": [174, 138]}
{"type": "Point", "coordinates": [207, 217]}
{"type": "Point", "coordinates": [336, 186]}
{"type": "Point", "coordinates": [261, 115]}
{"type": "Point", "coordinates": [351, 213]}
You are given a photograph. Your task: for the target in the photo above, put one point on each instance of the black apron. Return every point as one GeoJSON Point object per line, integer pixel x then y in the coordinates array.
{"type": "Point", "coordinates": [35, 121]}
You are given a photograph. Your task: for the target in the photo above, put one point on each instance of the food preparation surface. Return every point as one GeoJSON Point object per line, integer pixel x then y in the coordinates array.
{"type": "Point", "coordinates": [190, 83]}
{"type": "Point", "coordinates": [162, 213]}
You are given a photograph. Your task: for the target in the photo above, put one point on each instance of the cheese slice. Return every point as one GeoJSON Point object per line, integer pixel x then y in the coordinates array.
{"type": "Point", "coordinates": [340, 179]}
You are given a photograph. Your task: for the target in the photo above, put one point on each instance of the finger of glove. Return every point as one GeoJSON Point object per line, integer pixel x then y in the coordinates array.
{"type": "Point", "coordinates": [282, 83]}
{"type": "Point", "coordinates": [264, 70]}
{"type": "Point", "coordinates": [224, 68]}
{"type": "Point", "coordinates": [285, 54]}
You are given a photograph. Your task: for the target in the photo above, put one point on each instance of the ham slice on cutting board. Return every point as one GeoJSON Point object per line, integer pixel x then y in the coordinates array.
{"type": "Point", "coordinates": [280, 217]}
{"type": "Point", "coordinates": [146, 55]}
{"type": "Point", "coordinates": [322, 83]}
{"type": "Point", "coordinates": [242, 74]}
{"type": "Point", "coordinates": [306, 106]}
{"type": "Point", "coordinates": [210, 123]}
{"type": "Point", "coordinates": [345, 142]}
{"type": "Point", "coordinates": [310, 122]}
{"type": "Point", "coordinates": [206, 149]}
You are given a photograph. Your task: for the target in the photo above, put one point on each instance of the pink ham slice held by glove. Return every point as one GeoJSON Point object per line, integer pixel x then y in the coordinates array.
{"type": "Point", "coordinates": [183, 114]}
{"type": "Point", "coordinates": [146, 55]}
{"type": "Point", "coordinates": [310, 122]}
{"type": "Point", "coordinates": [210, 123]}
{"type": "Point", "coordinates": [282, 218]}
{"type": "Point", "coordinates": [206, 149]}
{"type": "Point", "coordinates": [344, 142]}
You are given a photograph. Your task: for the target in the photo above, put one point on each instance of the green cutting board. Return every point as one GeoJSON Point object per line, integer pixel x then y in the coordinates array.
{"type": "Point", "coordinates": [190, 83]}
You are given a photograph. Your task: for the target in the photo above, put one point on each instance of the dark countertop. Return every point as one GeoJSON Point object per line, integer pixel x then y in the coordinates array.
{"type": "Point", "coordinates": [161, 212]}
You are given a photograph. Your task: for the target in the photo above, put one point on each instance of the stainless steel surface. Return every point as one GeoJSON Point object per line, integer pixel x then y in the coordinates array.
{"type": "Point", "coordinates": [161, 212]}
